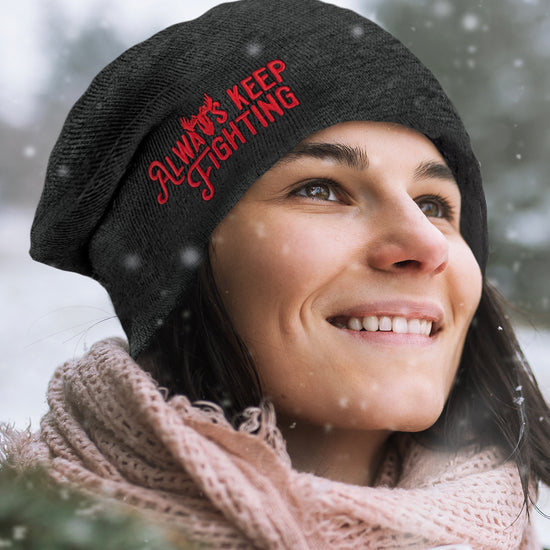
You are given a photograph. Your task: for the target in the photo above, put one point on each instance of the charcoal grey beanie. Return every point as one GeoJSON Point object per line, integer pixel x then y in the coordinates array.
{"type": "Point", "coordinates": [170, 135]}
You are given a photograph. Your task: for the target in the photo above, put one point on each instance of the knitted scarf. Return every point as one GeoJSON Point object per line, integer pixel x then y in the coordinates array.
{"type": "Point", "coordinates": [111, 431]}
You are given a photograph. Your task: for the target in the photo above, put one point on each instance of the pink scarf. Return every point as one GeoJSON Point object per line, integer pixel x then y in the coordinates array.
{"type": "Point", "coordinates": [110, 431]}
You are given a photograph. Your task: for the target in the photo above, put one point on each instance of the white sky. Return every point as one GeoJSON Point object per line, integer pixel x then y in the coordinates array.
{"type": "Point", "coordinates": [24, 65]}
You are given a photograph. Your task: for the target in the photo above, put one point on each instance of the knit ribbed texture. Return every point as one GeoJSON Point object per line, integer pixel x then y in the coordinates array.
{"type": "Point", "coordinates": [170, 135]}
{"type": "Point", "coordinates": [111, 432]}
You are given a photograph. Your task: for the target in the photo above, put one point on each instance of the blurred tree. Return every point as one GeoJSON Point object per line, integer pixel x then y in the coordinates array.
{"type": "Point", "coordinates": [37, 515]}
{"type": "Point", "coordinates": [493, 59]}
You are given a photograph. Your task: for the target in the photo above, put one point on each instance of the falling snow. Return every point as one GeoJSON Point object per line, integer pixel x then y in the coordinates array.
{"type": "Point", "coordinates": [443, 8]}
{"type": "Point", "coordinates": [357, 31]}
{"type": "Point", "coordinates": [470, 22]}
{"type": "Point", "coordinates": [190, 257]}
{"type": "Point", "coordinates": [518, 63]}
{"type": "Point", "coordinates": [29, 151]}
{"type": "Point", "coordinates": [62, 171]}
{"type": "Point", "coordinates": [131, 262]}
{"type": "Point", "coordinates": [253, 49]}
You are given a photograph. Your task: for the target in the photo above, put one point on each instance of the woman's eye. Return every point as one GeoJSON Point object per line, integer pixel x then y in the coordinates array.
{"type": "Point", "coordinates": [318, 190]}
{"type": "Point", "coordinates": [434, 206]}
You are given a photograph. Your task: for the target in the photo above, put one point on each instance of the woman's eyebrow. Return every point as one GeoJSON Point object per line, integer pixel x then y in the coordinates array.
{"type": "Point", "coordinates": [433, 169]}
{"type": "Point", "coordinates": [353, 157]}
{"type": "Point", "coordinates": [357, 159]}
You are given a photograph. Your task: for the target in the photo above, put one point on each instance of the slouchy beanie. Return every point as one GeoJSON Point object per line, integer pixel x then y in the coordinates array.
{"type": "Point", "coordinates": [170, 135]}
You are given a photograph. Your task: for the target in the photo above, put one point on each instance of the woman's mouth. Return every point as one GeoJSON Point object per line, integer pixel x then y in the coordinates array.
{"type": "Point", "coordinates": [386, 323]}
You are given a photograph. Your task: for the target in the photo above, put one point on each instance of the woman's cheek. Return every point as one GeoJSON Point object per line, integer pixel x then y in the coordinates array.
{"type": "Point", "coordinates": [290, 251]}
{"type": "Point", "coordinates": [466, 282]}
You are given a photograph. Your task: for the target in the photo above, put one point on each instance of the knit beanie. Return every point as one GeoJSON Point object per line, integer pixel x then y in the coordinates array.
{"type": "Point", "coordinates": [170, 135]}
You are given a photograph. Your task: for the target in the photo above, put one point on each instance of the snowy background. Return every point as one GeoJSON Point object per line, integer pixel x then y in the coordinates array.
{"type": "Point", "coordinates": [493, 57]}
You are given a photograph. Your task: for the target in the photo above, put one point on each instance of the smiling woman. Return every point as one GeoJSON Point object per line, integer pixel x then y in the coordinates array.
{"type": "Point", "coordinates": [314, 358]}
{"type": "Point", "coordinates": [341, 245]}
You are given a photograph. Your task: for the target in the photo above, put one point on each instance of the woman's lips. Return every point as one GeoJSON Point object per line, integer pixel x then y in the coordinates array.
{"type": "Point", "coordinates": [399, 317]}
{"type": "Point", "coordinates": [397, 324]}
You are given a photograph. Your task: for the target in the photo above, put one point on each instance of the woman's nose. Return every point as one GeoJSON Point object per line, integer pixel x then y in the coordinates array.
{"type": "Point", "coordinates": [407, 241]}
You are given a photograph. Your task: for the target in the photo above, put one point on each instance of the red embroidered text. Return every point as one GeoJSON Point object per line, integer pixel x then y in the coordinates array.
{"type": "Point", "coordinates": [209, 138]}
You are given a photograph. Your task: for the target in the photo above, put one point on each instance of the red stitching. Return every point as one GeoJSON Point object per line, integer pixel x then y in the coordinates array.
{"type": "Point", "coordinates": [200, 149]}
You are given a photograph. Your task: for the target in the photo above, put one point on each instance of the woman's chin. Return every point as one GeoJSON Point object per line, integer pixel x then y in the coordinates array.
{"type": "Point", "coordinates": [414, 413]}
{"type": "Point", "coordinates": [399, 415]}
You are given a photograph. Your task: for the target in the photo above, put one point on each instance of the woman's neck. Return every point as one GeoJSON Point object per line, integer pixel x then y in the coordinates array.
{"type": "Point", "coordinates": [346, 455]}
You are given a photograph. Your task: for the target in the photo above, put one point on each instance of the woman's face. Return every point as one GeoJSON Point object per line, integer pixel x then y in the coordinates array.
{"type": "Point", "coordinates": [357, 228]}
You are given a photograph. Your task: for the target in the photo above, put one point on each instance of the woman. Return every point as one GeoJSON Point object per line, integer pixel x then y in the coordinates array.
{"type": "Point", "coordinates": [286, 212]}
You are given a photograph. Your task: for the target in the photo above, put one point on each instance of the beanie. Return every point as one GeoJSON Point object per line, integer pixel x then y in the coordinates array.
{"type": "Point", "coordinates": [170, 135]}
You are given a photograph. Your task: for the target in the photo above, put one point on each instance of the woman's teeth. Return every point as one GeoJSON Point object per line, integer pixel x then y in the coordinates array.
{"type": "Point", "coordinates": [399, 325]}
